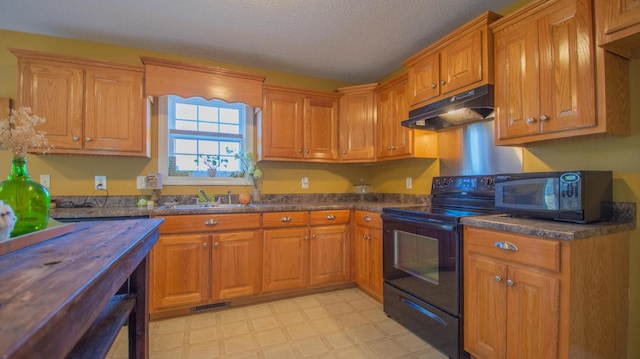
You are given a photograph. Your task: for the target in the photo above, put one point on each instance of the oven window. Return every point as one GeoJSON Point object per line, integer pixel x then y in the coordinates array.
{"type": "Point", "coordinates": [416, 255]}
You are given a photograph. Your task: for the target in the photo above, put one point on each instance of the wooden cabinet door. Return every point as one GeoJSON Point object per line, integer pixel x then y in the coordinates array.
{"type": "Point", "coordinates": [54, 91]}
{"type": "Point", "coordinates": [375, 262]}
{"type": "Point", "coordinates": [533, 314]}
{"type": "Point", "coordinates": [236, 264]}
{"type": "Point", "coordinates": [402, 136]}
{"type": "Point", "coordinates": [285, 259]}
{"type": "Point", "coordinates": [321, 128]}
{"type": "Point", "coordinates": [485, 302]}
{"type": "Point", "coordinates": [567, 77]}
{"type": "Point", "coordinates": [384, 134]}
{"type": "Point", "coordinates": [357, 126]}
{"type": "Point", "coordinates": [361, 256]}
{"type": "Point", "coordinates": [618, 23]}
{"type": "Point", "coordinates": [424, 79]}
{"type": "Point", "coordinates": [282, 130]}
{"type": "Point", "coordinates": [461, 63]}
{"type": "Point", "coordinates": [329, 257]}
{"type": "Point", "coordinates": [517, 91]}
{"type": "Point", "coordinates": [179, 271]}
{"type": "Point", "coordinates": [114, 116]}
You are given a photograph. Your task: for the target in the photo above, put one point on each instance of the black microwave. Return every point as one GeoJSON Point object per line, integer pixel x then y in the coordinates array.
{"type": "Point", "coordinates": [574, 196]}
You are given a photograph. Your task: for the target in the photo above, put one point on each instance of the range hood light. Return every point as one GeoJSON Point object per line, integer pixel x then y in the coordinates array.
{"type": "Point", "coordinates": [461, 115]}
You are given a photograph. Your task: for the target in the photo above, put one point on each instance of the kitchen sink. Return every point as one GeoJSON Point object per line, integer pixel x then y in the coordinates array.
{"type": "Point", "coordinates": [201, 206]}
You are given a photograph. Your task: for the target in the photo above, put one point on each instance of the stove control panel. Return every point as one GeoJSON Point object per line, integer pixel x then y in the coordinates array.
{"type": "Point", "coordinates": [467, 184]}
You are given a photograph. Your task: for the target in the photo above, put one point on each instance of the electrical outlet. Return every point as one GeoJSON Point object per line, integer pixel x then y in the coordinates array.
{"type": "Point", "coordinates": [101, 182]}
{"type": "Point", "coordinates": [305, 183]}
{"type": "Point", "coordinates": [141, 182]}
{"type": "Point", "coordinates": [45, 180]}
{"type": "Point", "coordinates": [409, 183]}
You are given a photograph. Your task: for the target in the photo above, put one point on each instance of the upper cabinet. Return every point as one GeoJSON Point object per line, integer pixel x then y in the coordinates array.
{"type": "Point", "coordinates": [392, 139]}
{"type": "Point", "coordinates": [357, 123]}
{"type": "Point", "coordinates": [458, 62]}
{"type": "Point", "coordinates": [551, 80]}
{"type": "Point", "coordinates": [299, 125]}
{"type": "Point", "coordinates": [91, 107]}
{"type": "Point", "coordinates": [618, 26]}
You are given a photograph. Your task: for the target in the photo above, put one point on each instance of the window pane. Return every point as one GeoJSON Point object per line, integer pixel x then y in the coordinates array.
{"type": "Point", "coordinates": [208, 127]}
{"type": "Point", "coordinates": [208, 147]}
{"type": "Point", "coordinates": [186, 125]}
{"type": "Point", "coordinates": [186, 146]}
{"type": "Point", "coordinates": [186, 111]}
{"type": "Point", "coordinates": [185, 163]}
{"type": "Point", "coordinates": [208, 113]}
{"type": "Point", "coordinates": [230, 115]}
{"type": "Point", "coordinates": [229, 129]}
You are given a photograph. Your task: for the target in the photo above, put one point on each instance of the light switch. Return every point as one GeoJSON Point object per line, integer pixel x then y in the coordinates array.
{"type": "Point", "coordinates": [409, 183]}
{"type": "Point", "coordinates": [45, 180]}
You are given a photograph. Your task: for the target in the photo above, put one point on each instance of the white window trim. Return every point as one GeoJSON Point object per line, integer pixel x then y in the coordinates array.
{"type": "Point", "coordinates": [163, 158]}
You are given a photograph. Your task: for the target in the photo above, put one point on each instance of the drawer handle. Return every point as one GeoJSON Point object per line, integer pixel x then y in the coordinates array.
{"type": "Point", "coordinates": [285, 219]}
{"type": "Point", "coordinates": [367, 219]}
{"type": "Point", "coordinates": [210, 222]}
{"type": "Point", "coordinates": [507, 246]}
{"type": "Point", "coordinates": [331, 217]}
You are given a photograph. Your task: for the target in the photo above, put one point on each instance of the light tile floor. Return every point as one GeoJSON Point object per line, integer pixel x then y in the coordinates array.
{"type": "Point", "coordinates": [340, 324]}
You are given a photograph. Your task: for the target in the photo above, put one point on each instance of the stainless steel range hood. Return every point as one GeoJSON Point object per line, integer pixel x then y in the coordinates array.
{"type": "Point", "coordinates": [469, 106]}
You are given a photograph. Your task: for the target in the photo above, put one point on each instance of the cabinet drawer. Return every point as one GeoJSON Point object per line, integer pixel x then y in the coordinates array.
{"type": "Point", "coordinates": [322, 218]}
{"type": "Point", "coordinates": [370, 219]}
{"type": "Point", "coordinates": [530, 251]}
{"type": "Point", "coordinates": [285, 219]}
{"type": "Point", "coordinates": [209, 222]}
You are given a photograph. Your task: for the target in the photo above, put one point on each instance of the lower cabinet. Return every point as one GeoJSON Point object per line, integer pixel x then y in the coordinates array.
{"type": "Point", "coordinates": [200, 259]}
{"type": "Point", "coordinates": [532, 297]}
{"type": "Point", "coordinates": [299, 252]}
{"type": "Point", "coordinates": [367, 252]}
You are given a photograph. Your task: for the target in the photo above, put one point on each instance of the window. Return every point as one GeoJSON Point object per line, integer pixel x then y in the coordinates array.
{"type": "Point", "coordinates": [198, 139]}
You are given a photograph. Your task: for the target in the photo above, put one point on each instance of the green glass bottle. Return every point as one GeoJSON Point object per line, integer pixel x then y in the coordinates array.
{"type": "Point", "coordinates": [29, 200]}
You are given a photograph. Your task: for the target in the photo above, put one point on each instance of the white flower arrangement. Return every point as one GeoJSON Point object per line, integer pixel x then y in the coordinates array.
{"type": "Point", "coordinates": [7, 221]}
{"type": "Point", "coordinates": [17, 132]}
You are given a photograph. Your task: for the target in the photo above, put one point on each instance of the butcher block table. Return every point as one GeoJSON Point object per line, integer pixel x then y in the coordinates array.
{"type": "Point", "coordinates": [58, 296]}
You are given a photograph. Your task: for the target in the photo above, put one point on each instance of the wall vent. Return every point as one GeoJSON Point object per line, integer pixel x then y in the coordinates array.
{"type": "Point", "coordinates": [201, 308]}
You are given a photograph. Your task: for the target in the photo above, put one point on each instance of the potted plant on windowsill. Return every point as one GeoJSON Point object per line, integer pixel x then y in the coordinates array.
{"type": "Point", "coordinates": [212, 162]}
{"type": "Point", "coordinates": [250, 170]}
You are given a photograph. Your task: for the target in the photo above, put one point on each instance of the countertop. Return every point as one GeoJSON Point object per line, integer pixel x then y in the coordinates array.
{"type": "Point", "coordinates": [109, 212]}
{"type": "Point", "coordinates": [547, 229]}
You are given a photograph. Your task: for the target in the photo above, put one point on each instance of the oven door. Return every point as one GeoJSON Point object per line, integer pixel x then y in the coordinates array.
{"type": "Point", "coordinates": [423, 257]}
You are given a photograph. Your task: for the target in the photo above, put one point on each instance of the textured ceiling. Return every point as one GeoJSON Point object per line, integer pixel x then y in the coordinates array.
{"type": "Point", "coordinates": [355, 41]}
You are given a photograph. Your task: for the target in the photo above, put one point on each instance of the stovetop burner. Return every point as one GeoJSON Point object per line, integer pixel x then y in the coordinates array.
{"type": "Point", "coordinates": [454, 197]}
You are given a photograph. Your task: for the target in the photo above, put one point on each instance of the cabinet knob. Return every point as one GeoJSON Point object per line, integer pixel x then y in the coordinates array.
{"type": "Point", "coordinates": [498, 278]}
{"type": "Point", "coordinates": [443, 82]}
{"type": "Point", "coordinates": [299, 150]}
{"type": "Point", "coordinates": [531, 120]}
{"type": "Point", "coordinates": [89, 139]}
{"type": "Point", "coordinates": [75, 138]}
{"type": "Point", "coordinates": [344, 152]}
{"type": "Point", "coordinates": [366, 236]}
{"type": "Point", "coordinates": [285, 219]}
{"type": "Point", "coordinates": [331, 217]}
{"type": "Point", "coordinates": [393, 147]}
{"type": "Point", "coordinates": [306, 238]}
{"type": "Point", "coordinates": [215, 245]}
{"type": "Point", "coordinates": [204, 245]}
{"type": "Point", "coordinates": [210, 222]}
{"type": "Point", "coordinates": [367, 219]}
{"type": "Point", "coordinates": [307, 150]}
{"type": "Point", "coordinates": [433, 86]}
{"type": "Point", "coordinates": [388, 147]}
{"type": "Point", "coordinates": [313, 236]}
{"type": "Point", "coordinates": [544, 118]}
{"type": "Point", "coordinates": [507, 246]}
{"type": "Point", "coordinates": [510, 283]}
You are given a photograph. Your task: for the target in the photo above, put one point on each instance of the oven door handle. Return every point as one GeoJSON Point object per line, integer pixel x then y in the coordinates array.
{"type": "Point", "coordinates": [422, 310]}
{"type": "Point", "coordinates": [425, 222]}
